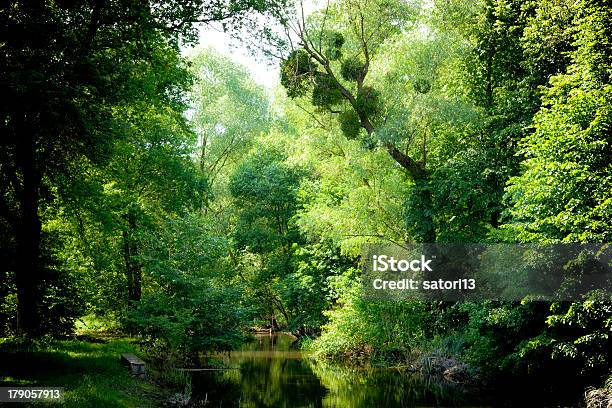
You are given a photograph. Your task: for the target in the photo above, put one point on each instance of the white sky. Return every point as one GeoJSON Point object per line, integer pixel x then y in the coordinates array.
{"type": "Point", "coordinates": [262, 72]}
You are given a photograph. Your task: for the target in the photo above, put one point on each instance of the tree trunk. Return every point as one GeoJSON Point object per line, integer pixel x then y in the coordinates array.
{"type": "Point", "coordinates": [425, 231]}
{"type": "Point", "coordinates": [428, 229]}
{"type": "Point", "coordinates": [28, 273]}
{"type": "Point", "coordinates": [133, 269]}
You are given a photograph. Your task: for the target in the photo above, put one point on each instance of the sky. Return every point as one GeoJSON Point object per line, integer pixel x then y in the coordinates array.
{"type": "Point", "coordinates": [261, 71]}
{"type": "Point", "coordinates": [211, 35]}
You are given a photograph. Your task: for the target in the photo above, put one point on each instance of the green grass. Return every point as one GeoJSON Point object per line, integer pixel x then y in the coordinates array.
{"type": "Point", "coordinates": [90, 372]}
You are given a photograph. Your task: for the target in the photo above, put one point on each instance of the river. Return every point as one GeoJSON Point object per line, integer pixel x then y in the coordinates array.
{"type": "Point", "coordinates": [271, 372]}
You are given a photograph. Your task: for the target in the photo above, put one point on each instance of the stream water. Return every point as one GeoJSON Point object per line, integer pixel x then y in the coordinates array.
{"type": "Point", "coordinates": [270, 372]}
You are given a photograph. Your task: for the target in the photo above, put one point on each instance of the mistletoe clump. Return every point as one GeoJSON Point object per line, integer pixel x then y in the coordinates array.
{"type": "Point", "coordinates": [296, 72]}
{"type": "Point", "coordinates": [333, 45]}
{"type": "Point", "coordinates": [349, 124]}
{"type": "Point", "coordinates": [325, 93]}
{"type": "Point", "coordinates": [351, 69]}
{"type": "Point", "coordinates": [421, 85]}
{"type": "Point", "coordinates": [368, 101]}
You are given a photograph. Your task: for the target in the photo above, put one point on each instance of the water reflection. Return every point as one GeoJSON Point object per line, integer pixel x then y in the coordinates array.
{"type": "Point", "coordinates": [269, 372]}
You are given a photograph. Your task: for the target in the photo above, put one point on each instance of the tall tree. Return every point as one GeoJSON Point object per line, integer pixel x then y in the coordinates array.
{"type": "Point", "coordinates": [264, 188]}
{"type": "Point", "coordinates": [228, 111]}
{"type": "Point", "coordinates": [563, 193]}
{"type": "Point", "coordinates": [333, 55]}
{"type": "Point", "coordinates": [64, 66]}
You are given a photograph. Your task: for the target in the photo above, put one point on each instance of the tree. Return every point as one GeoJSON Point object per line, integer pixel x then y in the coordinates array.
{"type": "Point", "coordinates": [563, 194]}
{"type": "Point", "coordinates": [335, 51]}
{"type": "Point", "coordinates": [191, 303]}
{"type": "Point", "coordinates": [65, 65]}
{"type": "Point", "coordinates": [103, 209]}
{"type": "Point", "coordinates": [264, 189]}
{"type": "Point", "coordinates": [151, 176]}
{"type": "Point", "coordinates": [229, 112]}
{"type": "Point", "coordinates": [514, 47]}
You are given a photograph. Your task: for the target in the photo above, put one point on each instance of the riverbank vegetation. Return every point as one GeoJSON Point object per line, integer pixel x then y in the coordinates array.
{"type": "Point", "coordinates": [155, 185]}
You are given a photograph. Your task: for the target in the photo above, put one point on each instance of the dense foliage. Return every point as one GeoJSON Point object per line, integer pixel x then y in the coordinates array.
{"type": "Point", "coordinates": [165, 191]}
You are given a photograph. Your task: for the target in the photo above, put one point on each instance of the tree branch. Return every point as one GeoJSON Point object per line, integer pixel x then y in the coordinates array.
{"type": "Point", "coordinates": [414, 168]}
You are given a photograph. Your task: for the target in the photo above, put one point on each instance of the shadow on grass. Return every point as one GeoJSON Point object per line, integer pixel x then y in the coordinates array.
{"type": "Point", "coordinates": [91, 373]}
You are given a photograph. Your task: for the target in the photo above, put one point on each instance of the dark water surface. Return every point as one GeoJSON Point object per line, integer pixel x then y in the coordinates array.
{"type": "Point", "coordinates": [270, 372]}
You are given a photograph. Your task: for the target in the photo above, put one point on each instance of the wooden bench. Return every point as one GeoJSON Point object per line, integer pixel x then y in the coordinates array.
{"type": "Point", "coordinates": [137, 366]}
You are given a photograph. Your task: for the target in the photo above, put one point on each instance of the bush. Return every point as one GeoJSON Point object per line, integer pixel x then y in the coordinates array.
{"type": "Point", "coordinates": [375, 331]}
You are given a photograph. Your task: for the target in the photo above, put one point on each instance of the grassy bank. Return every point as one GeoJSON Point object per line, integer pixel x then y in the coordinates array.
{"type": "Point", "coordinates": [90, 371]}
